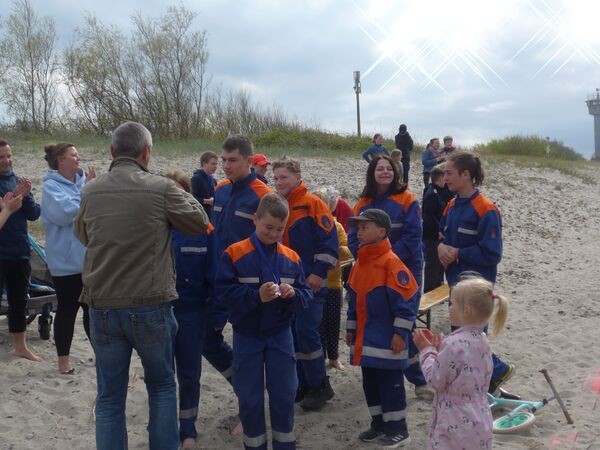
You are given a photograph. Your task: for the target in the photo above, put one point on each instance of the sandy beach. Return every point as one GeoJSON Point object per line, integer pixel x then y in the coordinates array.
{"type": "Point", "coordinates": [549, 273]}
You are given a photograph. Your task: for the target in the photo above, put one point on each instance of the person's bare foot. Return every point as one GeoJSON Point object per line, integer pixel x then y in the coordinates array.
{"type": "Point", "coordinates": [21, 349]}
{"type": "Point", "coordinates": [238, 430]}
{"type": "Point", "coordinates": [64, 364]}
{"type": "Point", "coordinates": [27, 354]}
{"type": "Point", "coordinates": [188, 443]}
{"type": "Point", "coordinates": [336, 364]}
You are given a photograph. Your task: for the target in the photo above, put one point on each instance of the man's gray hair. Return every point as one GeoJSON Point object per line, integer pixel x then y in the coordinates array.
{"type": "Point", "coordinates": [130, 139]}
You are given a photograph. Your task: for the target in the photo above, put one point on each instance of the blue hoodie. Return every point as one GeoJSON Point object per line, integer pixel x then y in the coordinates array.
{"type": "Point", "coordinates": [60, 206]}
{"type": "Point", "coordinates": [14, 243]}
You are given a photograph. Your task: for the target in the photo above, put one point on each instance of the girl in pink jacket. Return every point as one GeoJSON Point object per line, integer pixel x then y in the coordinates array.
{"type": "Point", "coordinates": [459, 367]}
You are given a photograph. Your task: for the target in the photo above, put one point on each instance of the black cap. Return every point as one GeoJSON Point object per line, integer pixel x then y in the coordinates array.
{"type": "Point", "coordinates": [378, 216]}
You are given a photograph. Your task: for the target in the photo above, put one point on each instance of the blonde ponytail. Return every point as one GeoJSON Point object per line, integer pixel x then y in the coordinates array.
{"type": "Point", "coordinates": [498, 319]}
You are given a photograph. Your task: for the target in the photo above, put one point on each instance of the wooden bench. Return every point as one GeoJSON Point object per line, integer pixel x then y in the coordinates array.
{"type": "Point", "coordinates": [430, 299]}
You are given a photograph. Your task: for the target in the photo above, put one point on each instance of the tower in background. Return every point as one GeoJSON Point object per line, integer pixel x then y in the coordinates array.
{"type": "Point", "coordinates": [593, 104]}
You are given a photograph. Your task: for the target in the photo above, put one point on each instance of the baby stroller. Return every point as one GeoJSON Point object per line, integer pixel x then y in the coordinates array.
{"type": "Point", "coordinates": [42, 298]}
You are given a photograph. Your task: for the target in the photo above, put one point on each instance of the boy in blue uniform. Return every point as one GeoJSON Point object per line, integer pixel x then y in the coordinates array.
{"type": "Point", "coordinates": [195, 264]}
{"type": "Point", "coordinates": [261, 282]}
{"type": "Point", "coordinates": [311, 232]}
{"type": "Point", "coordinates": [382, 294]}
{"type": "Point", "coordinates": [203, 182]}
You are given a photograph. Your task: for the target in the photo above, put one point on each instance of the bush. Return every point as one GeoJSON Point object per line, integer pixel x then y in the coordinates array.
{"type": "Point", "coordinates": [311, 139]}
{"type": "Point", "coordinates": [531, 146]}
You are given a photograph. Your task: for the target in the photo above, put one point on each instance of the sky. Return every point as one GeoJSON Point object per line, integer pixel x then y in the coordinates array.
{"type": "Point", "coordinates": [473, 69]}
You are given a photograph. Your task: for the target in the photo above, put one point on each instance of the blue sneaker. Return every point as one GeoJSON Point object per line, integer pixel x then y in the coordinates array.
{"type": "Point", "coordinates": [394, 440]}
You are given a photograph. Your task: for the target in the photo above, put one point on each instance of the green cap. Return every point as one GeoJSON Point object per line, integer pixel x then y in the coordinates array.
{"type": "Point", "coordinates": [378, 216]}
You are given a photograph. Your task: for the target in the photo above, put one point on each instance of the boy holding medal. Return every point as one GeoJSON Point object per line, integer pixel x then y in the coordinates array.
{"type": "Point", "coordinates": [261, 282]}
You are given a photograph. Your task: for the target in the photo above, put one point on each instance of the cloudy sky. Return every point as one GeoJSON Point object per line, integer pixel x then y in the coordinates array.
{"type": "Point", "coordinates": [475, 69]}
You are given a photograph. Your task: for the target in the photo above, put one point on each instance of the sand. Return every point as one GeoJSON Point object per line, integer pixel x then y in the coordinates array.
{"type": "Point", "coordinates": [549, 273]}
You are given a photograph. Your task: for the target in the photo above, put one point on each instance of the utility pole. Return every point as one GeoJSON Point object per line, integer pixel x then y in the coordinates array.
{"type": "Point", "coordinates": [357, 90]}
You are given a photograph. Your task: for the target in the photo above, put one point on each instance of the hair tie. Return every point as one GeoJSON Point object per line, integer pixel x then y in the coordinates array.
{"type": "Point", "coordinates": [495, 296]}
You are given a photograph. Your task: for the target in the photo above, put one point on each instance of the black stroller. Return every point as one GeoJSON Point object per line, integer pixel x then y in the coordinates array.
{"type": "Point", "coordinates": [42, 298]}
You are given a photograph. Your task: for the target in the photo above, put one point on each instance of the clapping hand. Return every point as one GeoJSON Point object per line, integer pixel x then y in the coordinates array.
{"type": "Point", "coordinates": [23, 187]}
{"type": "Point", "coordinates": [11, 202]}
{"type": "Point", "coordinates": [423, 338]}
{"type": "Point", "coordinates": [90, 173]}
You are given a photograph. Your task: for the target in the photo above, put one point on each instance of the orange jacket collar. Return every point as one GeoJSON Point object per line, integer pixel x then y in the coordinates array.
{"type": "Point", "coordinates": [297, 193]}
{"type": "Point", "coordinates": [373, 251]}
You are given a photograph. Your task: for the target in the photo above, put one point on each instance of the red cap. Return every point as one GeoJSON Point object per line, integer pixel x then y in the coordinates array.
{"type": "Point", "coordinates": [260, 160]}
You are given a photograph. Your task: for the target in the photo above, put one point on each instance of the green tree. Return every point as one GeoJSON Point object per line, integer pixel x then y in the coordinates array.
{"type": "Point", "coordinates": [30, 76]}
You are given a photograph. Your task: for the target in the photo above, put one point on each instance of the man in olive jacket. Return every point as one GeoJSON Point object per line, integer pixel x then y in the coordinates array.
{"type": "Point", "coordinates": [125, 221]}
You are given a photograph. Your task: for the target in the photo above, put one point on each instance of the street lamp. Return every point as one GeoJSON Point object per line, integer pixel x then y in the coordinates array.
{"type": "Point", "coordinates": [357, 90]}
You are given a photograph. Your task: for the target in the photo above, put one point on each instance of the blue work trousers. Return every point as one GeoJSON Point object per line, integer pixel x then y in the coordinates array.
{"type": "Point", "coordinates": [413, 372]}
{"type": "Point", "coordinates": [386, 399]}
{"type": "Point", "coordinates": [191, 318]}
{"type": "Point", "coordinates": [307, 342]}
{"type": "Point", "coordinates": [257, 358]}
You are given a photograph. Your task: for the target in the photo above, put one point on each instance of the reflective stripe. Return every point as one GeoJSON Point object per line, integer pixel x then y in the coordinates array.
{"type": "Point", "coordinates": [375, 410]}
{"type": "Point", "coordinates": [309, 356]}
{"type": "Point", "coordinates": [413, 360]}
{"type": "Point", "coordinates": [287, 280]}
{"type": "Point", "coordinates": [283, 437]}
{"type": "Point", "coordinates": [227, 372]}
{"type": "Point", "coordinates": [383, 353]}
{"type": "Point", "coordinates": [188, 413]}
{"type": "Point", "coordinates": [397, 225]}
{"type": "Point", "coordinates": [394, 415]}
{"type": "Point", "coordinates": [217, 208]}
{"type": "Point", "coordinates": [351, 324]}
{"type": "Point", "coordinates": [399, 322]}
{"type": "Point", "coordinates": [255, 441]}
{"type": "Point", "coordinates": [193, 249]}
{"type": "Point", "coordinates": [467, 231]}
{"type": "Point", "coordinates": [244, 215]}
{"type": "Point", "coordinates": [249, 280]}
{"type": "Point", "coordinates": [326, 258]}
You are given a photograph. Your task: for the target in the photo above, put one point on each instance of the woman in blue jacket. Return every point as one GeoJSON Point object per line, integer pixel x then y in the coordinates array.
{"type": "Point", "coordinates": [61, 195]}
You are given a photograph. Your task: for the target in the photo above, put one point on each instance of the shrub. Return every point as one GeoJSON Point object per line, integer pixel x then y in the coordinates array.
{"type": "Point", "coordinates": [531, 146]}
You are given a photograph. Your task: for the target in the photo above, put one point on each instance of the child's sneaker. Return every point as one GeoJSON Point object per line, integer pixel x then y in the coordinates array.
{"type": "Point", "coordinates": [507, 375]}
{"type": "Point", "coordinates": [394, 440]}
{"type": "Point", "coordinates": [370, 435]}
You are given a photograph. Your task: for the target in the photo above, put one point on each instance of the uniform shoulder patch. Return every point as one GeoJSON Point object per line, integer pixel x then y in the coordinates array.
{"type": "Point", "coordinates": [326, 222]}
{"type": "Point", "coordinates": [403, 277]}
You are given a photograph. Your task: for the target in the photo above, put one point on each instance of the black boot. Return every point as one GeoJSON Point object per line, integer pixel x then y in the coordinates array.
{"type": "Point", "coordinates": [315, 398]}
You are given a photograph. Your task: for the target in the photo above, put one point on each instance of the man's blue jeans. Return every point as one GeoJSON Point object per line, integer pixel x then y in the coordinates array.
{"type": "Point", "coordinates": [115, 333]}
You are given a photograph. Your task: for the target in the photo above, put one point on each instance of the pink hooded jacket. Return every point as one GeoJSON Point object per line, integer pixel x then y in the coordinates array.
{"type": "Point", "coordinates": [460, 375]}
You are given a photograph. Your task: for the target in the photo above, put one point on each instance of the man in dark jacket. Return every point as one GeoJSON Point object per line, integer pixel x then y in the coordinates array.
{"type": "Point", "coordinates": [15, 253]}
{"type": "Point", "coordinates": [404, 143]}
